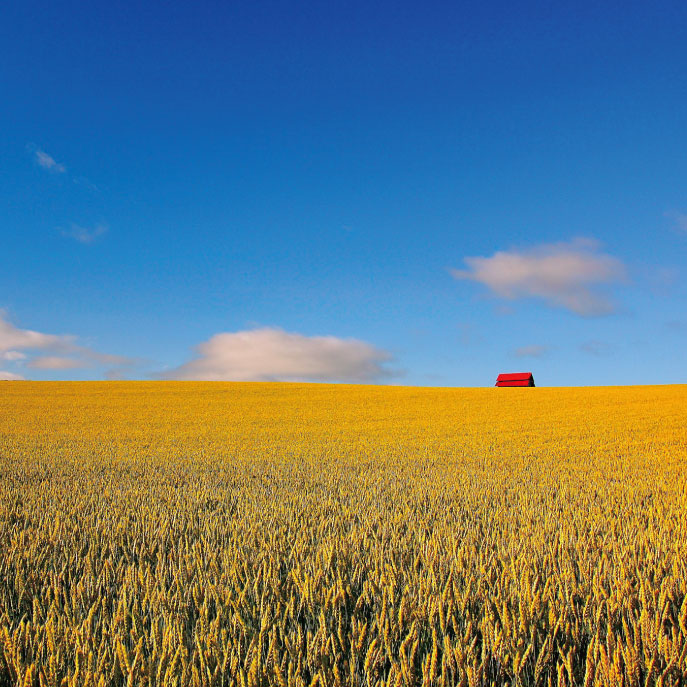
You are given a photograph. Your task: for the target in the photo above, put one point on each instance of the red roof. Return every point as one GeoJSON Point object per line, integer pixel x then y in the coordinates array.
{"type": "Point", "coordinates": [514, 376]}
{"type": "Point", "coordinates": [515, 379]}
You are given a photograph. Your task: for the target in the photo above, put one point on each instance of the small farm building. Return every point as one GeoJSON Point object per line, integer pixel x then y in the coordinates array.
{"type": "Point", "coordinates": [515, 379]}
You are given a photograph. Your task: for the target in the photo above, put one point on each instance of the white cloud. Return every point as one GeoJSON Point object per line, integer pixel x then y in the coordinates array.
{"type": "Point", "coordinates": [12, 337]}
{"type": "Point", "coordinates": [59, 351]}
{"type": "Point", "coordinates": [565, 275]}
{"type": "Point", "coordinates": [534, 351]}
{"type": "Point", "coordinates": [55, 362]}
{"type": "Point", "coordinates": [275, 355]}
{"type": "Point", "coordinates": [12, 356]}
{"type": "Point", "coordinates": [48, 162]}
{"type": "Point", "coordinates": [9, 376]}
{"type": "Point", "coordinates": [84, 234]}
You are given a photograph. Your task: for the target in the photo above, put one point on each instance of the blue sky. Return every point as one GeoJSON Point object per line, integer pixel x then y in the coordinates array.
{"type": "Point", "coordinates": [347, 191]}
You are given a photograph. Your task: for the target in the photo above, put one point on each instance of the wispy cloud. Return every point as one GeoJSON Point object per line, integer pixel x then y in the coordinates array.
{"type": "Point", "coordinates": [679, 220]}
{"type": "Point", "coordinates": [54, 362]}
{"type": "Point", "coordinates": [9, 376]}
{"type": "Point", "coordinates": [596, 348]}
{"type": "Point", "coordinates": [48, 162]}
{"type": "Point", "coordinates": [13, 338]}
{"type": "Point", "coordinates": [12, 356]}
{"type": "Point", "coordinates": [39, 351]}
{"type": "Point", "coordinates": [564, 275]}
{"type": "Point", "coordinates": [534, 351]}
{"type": "Point", "coordinates": [85, 235]}
{"type": "Point", "coordinates": [86, 183]}
{"type": "Point", "coordinates": [275, 355]}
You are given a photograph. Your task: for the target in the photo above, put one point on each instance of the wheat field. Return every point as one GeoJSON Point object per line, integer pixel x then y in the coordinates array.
{"type": "Point", "coordinates": [290, 534]}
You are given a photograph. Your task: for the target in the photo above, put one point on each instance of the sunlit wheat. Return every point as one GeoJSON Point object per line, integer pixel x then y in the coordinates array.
{"type": "Point", "coordinates": [297, 535]}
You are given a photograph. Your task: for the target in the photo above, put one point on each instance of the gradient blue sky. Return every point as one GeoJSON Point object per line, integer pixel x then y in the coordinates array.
{"type": "Point", "coordinates": [250, 177]}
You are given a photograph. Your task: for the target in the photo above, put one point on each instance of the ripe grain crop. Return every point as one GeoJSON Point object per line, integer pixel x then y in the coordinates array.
{"type": "Point", "coordinates": [286, 534]}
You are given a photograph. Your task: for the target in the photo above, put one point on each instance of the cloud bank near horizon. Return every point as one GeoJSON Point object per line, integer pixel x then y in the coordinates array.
{"type": "Point", "coordinates": [271, 354]}
{"type": "Point", "coordinates": [6, 376]}
{"type": "Point", "coordinates": [13, 340]}
{"type": "Point", "coordinates": [56, 351]}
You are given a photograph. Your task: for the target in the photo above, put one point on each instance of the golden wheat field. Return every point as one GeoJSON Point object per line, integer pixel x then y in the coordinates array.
{"type": "Point", "coordinates": [286, 534]}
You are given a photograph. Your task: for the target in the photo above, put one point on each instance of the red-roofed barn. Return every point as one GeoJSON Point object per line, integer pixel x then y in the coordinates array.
{"type": "Point", "coordinates": [515, 379]}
